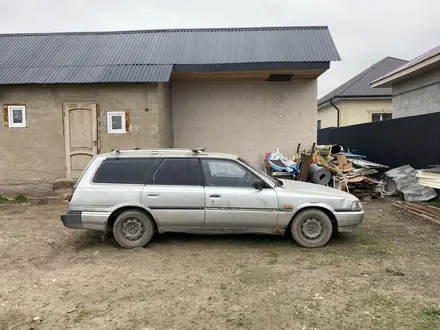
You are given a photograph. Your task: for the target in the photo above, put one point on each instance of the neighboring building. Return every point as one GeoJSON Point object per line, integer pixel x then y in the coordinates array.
{"type": "Point", "coordinates": [415, 85]}
{"type": "Point", "coordinates": [355, 102]}
{"type": "Point", "coordinates": [68, 96]}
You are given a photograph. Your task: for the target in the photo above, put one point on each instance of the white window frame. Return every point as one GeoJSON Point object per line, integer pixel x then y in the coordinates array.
{"type": "Point", "coordinates": [380, 114]}
{"type": "Point", "coordinates": [11, 109]}
{"type": "Point", "coordinates": [110, 129]}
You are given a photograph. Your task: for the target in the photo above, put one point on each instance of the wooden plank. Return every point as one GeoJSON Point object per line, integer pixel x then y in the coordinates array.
{"type": "Point", "coordinates": [417, 208]}
{"type": "Point", "coordinates": [127, 121]}
{"type": "Point", "coordinates": [6, 115]}
{"type": "Point", "coordinates": [306, 161]}
{"type": "Point", "coordinates": [401, 206]}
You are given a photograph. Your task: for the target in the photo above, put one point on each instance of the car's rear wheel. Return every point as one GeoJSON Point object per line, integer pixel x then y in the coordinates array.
{"type": "Point", "coordinates": [311, 228]}
{"type": "Point", "coordinates": [133, 229]}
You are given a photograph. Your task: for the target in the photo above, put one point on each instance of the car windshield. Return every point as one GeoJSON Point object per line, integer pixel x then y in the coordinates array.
{"type": "Point", "coordinates": [276, 182]}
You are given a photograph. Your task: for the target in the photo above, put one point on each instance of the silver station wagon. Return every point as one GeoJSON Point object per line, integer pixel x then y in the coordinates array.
{"type": "Point", "coordinates": [135, 193]}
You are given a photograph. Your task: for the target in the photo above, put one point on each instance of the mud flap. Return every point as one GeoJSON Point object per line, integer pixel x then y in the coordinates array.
{"type": "Point", "coordinates": [104, 234]}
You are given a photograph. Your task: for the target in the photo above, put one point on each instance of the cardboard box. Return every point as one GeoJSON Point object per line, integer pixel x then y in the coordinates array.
{"type": "Point", "coordinates": [343, 163]}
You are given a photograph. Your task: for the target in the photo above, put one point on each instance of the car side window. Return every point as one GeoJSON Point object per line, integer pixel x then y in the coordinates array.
{"type": "Point", "coordinates": [226, 173]}
{"type": "Point", "coordinates": [125, 170]}
{"type": "Point", "coordinates": [178, 172]}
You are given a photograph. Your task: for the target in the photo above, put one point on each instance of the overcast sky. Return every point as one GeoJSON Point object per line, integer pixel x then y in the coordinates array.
{"type": "Point", "coordinates": [364, 31]}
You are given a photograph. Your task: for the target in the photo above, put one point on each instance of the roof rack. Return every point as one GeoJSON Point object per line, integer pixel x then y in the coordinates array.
{"type": "Point", "coordinates": [158, 150]}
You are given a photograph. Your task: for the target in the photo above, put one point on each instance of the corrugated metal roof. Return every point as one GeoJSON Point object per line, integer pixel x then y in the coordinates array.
{"type": "Point", "coordinates": [117, 56]}
{"type": "Point", "coordinates": [359, 86]}
{"type": "Point", "coordinates": [426, 56]}
{"type": "Point", "coordinates": [86, 74]}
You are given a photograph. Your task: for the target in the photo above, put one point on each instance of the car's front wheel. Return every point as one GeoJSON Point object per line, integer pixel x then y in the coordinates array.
{"type": "Point", "coordinates": [133, 229]}
{"type": "Point", "coordinates": [311, 228]}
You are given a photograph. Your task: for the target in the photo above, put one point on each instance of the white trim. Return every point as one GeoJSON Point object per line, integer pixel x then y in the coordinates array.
{"type": "Point", "coordinates": [11, 109]}
{"type": "Point", "coordinates": [112, 130]}
{"type": "Point", "coordinates": [388, 81]}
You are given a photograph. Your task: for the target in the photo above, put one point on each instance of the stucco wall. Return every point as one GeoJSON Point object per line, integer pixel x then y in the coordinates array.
{"type": "Point", "coordinates": [246, 118]}
{"type": "Point", "coordinates": [33, 157]}
{"type": "Point", "coordinates": [166, 116]}
{"type": "Point", "coordinates": [417, 96]}
{"type": "Point", "coordinates": [328, 116]}
{"type": "Point", "coordinates": [359, 111]}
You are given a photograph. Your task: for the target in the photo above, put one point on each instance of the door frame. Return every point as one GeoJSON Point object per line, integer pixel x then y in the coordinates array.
{"type": "Point", "coordinates": [66, 132]}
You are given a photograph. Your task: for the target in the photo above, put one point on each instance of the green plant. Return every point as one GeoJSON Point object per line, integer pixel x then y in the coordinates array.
{"type": "Point", "coordinates": [431, 311]}
{"type": "Point", "coordinates": [20, 199]}
{"type": "Point", "coordinates": [435, 203]}
{"type": "Point", "coordinates": [81, 314]}
{"type": "Point", "coordinates": [3, 200]}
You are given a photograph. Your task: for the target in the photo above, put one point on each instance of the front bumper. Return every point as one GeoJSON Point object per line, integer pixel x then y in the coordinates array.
{"type": "Point", "coordinates": [348, 221]}
{"type": "Point", "coordinates": [72, 219]}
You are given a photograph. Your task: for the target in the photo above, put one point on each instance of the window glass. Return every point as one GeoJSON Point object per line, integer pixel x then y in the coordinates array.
{"type": "Point", "coordinates": [225, 173]}
{"type": "Point", "coordinates": [125, 170]}
{"type": "Point", "coordinates": [387, 116]}
{"type": "Point", "coordinates": [178, 172]}
{"type": "Point", "coordinates": [381, 116]}
{"type": "Point", "coordinates": [17, 116]}
{"type": "Point", "coordinates": [116, 122]}
{"type": "Point", "coordinates": [375, 117]}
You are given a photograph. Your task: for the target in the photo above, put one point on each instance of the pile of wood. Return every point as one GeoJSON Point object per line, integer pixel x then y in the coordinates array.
{"type": "Point", "coordinates": [429, 212]}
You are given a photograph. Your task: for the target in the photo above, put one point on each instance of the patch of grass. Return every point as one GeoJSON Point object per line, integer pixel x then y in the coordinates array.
{"type": "Point", "coordinates": [20, 199]}
{"type": "Point", "coordinates": [378, 300]}
{"type": "Point", "coordinates": [16, 199]}
{"type": "Point", "coordinates": [66, 292]}
{"type": "Point", "coordinates": [435, 203]}
{"type": "Point", "coordinates": [273, 257]}
{"type": "Point", "coordinates": [430, 319]}
{"type": "Point", "coordinates": [3, 200]}
{"type": "Point", "coordinates": [432, 312]}
{"type": "Point", "coordinates": [81, 315]}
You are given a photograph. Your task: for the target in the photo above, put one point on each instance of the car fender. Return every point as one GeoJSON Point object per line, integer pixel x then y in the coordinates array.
{"type": "Point", "coordinates": [135, 205]}
{"type": "Point", "coordinates": [312, 205]}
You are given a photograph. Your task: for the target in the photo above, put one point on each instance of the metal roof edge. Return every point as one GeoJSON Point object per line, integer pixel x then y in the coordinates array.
{"type": "Point", "coordinates": [229, 29]}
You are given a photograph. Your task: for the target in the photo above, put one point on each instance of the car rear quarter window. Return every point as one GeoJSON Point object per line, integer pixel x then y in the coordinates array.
{"type": "Point", "coordinates": [126, 170]}
{"type": "Point", "coordinates": [178, 172]}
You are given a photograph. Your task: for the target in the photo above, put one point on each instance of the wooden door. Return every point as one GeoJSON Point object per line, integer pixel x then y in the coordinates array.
{"type": "Point", "coordinates": [81, 136]}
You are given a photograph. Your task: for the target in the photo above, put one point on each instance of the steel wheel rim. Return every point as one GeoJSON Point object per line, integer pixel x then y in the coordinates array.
{"type": "Point", "coordinates": [312, 228]}
{"type": "Point", "coordinates": [132, 229]}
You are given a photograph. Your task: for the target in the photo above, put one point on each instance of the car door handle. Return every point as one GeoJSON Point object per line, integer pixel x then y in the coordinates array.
{"type": "Point", "coordinates": [153, 194]}
{"type": "Point", "coordinates": [215, 196]}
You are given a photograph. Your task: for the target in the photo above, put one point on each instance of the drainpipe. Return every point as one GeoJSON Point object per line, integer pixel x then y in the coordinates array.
{"type": "Point", "coordinates": [337, 109]}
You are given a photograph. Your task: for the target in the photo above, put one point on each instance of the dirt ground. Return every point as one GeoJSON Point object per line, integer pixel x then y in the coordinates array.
{"type": "Point", "coordinates": [384, 276]}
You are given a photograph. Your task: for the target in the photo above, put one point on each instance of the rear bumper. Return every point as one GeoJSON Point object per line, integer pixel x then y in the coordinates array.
{"type": "Point", "coordinates": [72, 219]}
{"type": "Point", "coordinates": [85, 220]}
{"type": "Point", "coordinates": [348, 221]}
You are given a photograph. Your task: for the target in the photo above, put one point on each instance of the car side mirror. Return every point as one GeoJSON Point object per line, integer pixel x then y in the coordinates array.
{"type": "Point", "coordinates": [259, 185]}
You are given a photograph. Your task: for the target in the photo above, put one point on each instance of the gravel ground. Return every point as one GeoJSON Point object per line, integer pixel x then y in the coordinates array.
{"type": "Point", "coordinates": [384, 276]}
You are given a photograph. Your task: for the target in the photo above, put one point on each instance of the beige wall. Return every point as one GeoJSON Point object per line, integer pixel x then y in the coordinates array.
{"type": "Point", "coordinates": [353, 112]}
{"type": "Point", "coordinates": [246, 118]}
{"type": "Point", "coordinates": [328, 116]}
{"type": "Point", "coordinates": [359, 111]}
{"type": "Point", "coordinates": [36, 154]}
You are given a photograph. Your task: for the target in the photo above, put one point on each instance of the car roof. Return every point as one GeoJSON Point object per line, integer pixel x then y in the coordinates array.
{"type": "Point", "coordinates": [169, 152]}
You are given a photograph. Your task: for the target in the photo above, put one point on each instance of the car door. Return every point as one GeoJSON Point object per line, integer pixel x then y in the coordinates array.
{"type": "Point", "coordinates": [233, 203]}
{"type": "Point", "coordinates": [176, 195]}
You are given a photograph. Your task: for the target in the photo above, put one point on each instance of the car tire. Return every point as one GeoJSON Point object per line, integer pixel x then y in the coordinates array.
{"type": "Point", "coordinates": [311, 228]}
{"type": "Point", "coordinates": [133, 229]}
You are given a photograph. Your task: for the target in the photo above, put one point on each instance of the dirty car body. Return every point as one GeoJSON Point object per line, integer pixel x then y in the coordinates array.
{"type": "Point", "coordinates": [135, 193]}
